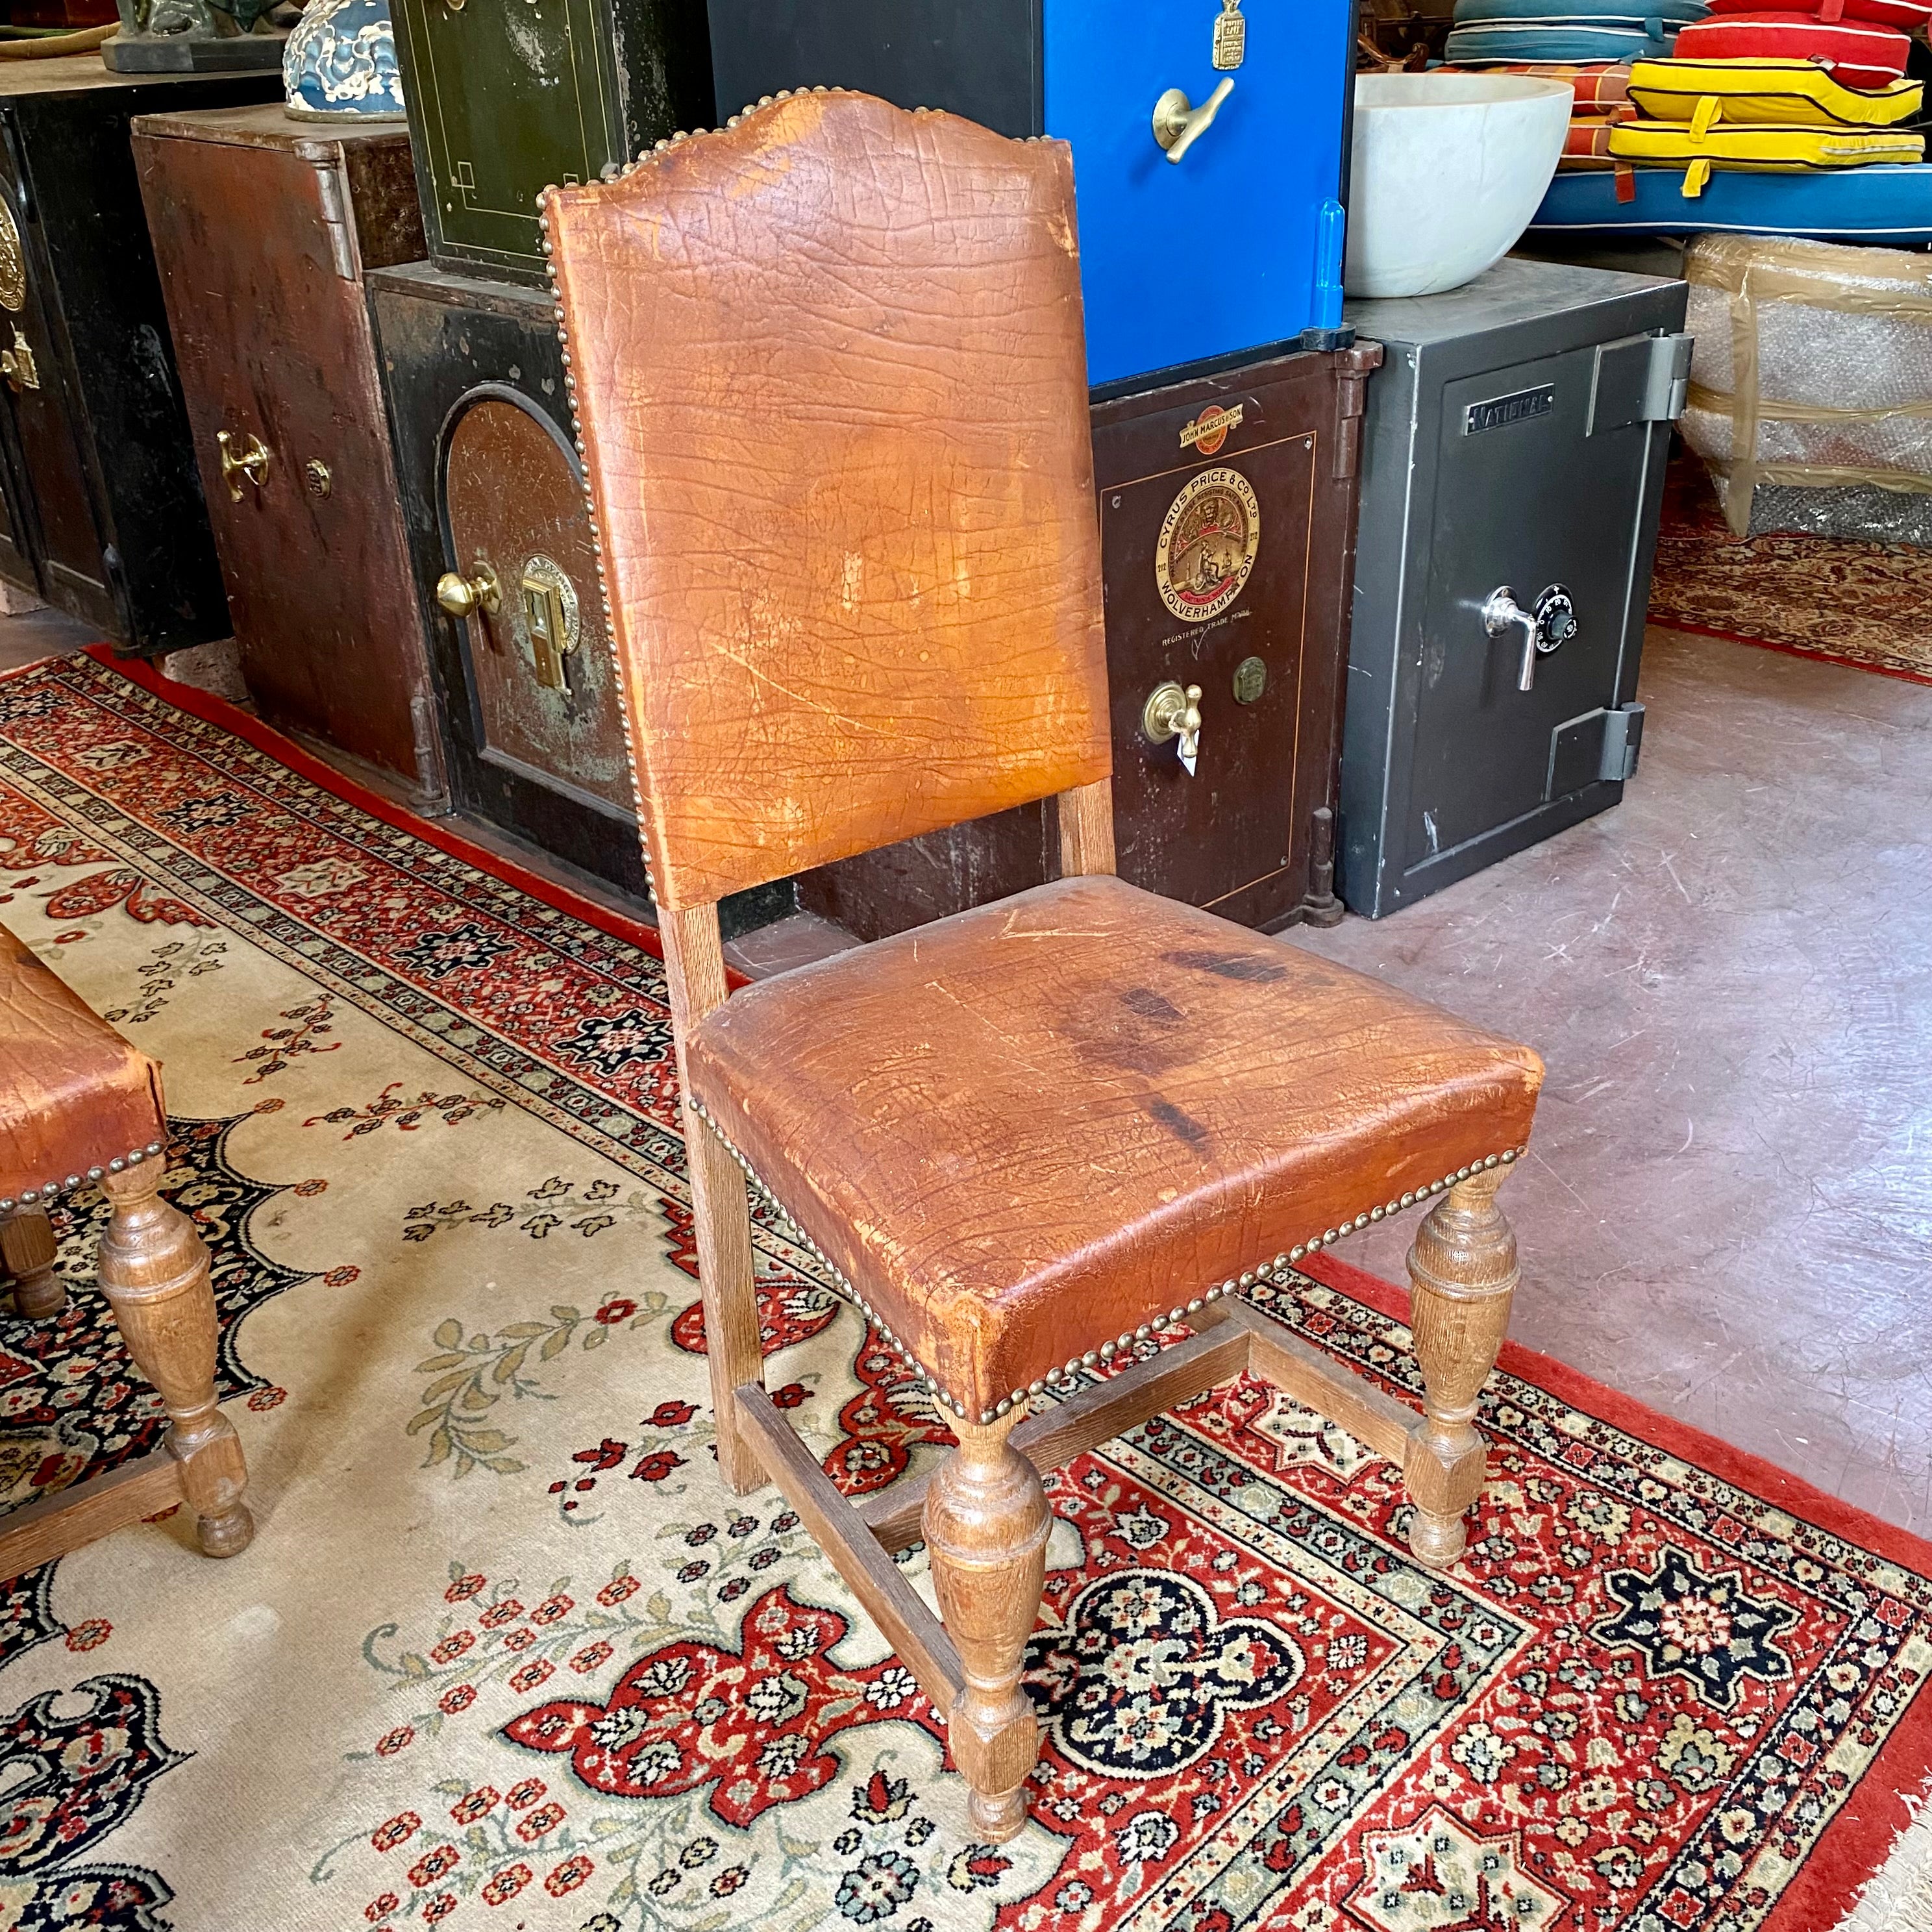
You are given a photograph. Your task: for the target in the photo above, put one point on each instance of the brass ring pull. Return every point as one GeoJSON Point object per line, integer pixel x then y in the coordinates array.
{"type": "Point", "coordinates": [252, 463]}
{"type": "Point", "coordinates": [1178, 123]}
{"type": "Point", "coordinates": [464, 596]}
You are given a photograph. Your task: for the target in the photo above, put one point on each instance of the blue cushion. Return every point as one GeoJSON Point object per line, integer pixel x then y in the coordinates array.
{"type": "Point", "coordinates": [1578, 13]}
{"type": "Point", "coordinates": [1517, 40]}
{"type": "Point", "coordinates": [1884, 202]}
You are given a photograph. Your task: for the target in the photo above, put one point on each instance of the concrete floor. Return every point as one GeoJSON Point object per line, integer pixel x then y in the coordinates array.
{"type": "Point", "coordinates": [1727, 1208]}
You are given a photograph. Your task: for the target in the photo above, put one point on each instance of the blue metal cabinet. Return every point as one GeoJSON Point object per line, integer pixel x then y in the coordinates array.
{"type": "Point", "coordinates": [1227, 252]}
{"type": "Point", "coordinates": [1219, 252]}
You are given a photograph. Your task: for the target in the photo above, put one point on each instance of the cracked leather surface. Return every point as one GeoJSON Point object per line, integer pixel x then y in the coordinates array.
{"type": "Point", "coordinates": [1027, 1129]}
{"type": "Point", "coordinates": [73, 1094]}
{"type": "Point", "coordinates": [831, 381]}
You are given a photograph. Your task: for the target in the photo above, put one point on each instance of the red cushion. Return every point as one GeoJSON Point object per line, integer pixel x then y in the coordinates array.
{"type": "Point", "coordinates": [1856, 53]}
{"type": "Point", "coordinates": [1905, 14]}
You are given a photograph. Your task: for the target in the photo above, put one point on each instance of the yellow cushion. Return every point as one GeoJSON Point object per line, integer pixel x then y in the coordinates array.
{"type": "Point", "coordinates": [1766, 93]}
{"type": "Point", "coordinates": [1772, 150]}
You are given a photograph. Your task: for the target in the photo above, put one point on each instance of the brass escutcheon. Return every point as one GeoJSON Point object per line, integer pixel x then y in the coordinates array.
{"type": "Point", "coordinates": [252, 463]}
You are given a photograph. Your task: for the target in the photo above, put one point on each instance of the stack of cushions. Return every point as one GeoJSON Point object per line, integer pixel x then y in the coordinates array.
{"type": "Point", "coordinates": [1498, 33]}
{"type": "Point", "coordinates": [1786, 114]}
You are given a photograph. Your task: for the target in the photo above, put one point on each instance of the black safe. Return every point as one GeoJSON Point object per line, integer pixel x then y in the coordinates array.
{"type": "Point", "coordinates": [1513, 465]}
{"type": "Point", "coordinates": [104, 515]}
{"type": "Point", "coordinates": [505, 100]}
{"type": "Point", "coordinates": [494, 493]}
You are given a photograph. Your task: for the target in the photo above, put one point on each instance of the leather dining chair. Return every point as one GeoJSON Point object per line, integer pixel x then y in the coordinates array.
{"type": "Point", "coordinates": [830, 388]}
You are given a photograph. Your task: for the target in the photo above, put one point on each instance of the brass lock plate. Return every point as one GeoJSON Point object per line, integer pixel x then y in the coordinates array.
{"type": "Point", "coordinates": [18, 366]}
{"type": "Point", "coordinates": [12, 263]}
{"type": "Point", "coordinates": [1250, 679]}
{"type": "Point", "coordinates": [549, 619]}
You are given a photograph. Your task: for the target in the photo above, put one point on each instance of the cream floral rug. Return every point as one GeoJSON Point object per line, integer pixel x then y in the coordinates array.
{"type": "Point", "coordinates": [504, 1653]}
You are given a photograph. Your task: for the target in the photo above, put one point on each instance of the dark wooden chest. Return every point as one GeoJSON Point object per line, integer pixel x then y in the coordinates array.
{"type": "Point", "coordinates": [1227, 530]}
{"type": "Point", "coordinates": [505, 100]}
{"type": "Point", "coordinates": [104, 515]}
{"type": "Point", "coordinates": [263, 229]}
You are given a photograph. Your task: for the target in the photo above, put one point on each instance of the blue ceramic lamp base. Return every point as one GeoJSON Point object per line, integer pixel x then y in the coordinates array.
{"type": "Point", "coordinates": [341, 63]}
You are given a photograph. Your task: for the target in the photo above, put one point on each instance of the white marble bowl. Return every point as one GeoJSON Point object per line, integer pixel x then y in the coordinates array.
{"type": "Point", "coordinates": [1448, 168]}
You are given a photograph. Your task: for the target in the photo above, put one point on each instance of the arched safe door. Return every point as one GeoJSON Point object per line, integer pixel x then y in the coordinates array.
{"type": "Point", "coordinates": [522, 585]}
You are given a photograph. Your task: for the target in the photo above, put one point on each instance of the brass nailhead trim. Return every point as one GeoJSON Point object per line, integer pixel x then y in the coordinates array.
{"type": "Point", "coordinates": [46, 1191]}
{"type": "Point", "coordinates": [1106, 1350]}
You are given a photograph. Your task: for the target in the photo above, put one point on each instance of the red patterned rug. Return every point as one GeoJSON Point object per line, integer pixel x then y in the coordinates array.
{"type": "Point", "coordinates": [504, 1653]}
{"type": "Point", "coordinates": [1861, 604]}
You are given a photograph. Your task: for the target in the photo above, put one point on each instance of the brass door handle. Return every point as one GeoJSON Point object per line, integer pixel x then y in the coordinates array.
{"type": "Point", "coordinates": [1178, 123]}
{"type": "Point", "coordinates": [18, 366]}
{"type": "Point", "coordinates": [252, 463]}
{"type": "Point", "coordinates": [464, 596]}
{"type": "Point", "coordinates": [1171, 712]}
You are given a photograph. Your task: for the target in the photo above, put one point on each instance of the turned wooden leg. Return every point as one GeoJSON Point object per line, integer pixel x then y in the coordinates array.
{"type": "Point", "coordinates": [721, 1222]}
{"type": "Point", "coordinates": [154, 1271]}
{"type": "Point", "coordinates": [986, 1522]}
{"type": "Point", "coordinates": [28, 1244]}
{"type": "Point", "coordinates": [1462, 1273]}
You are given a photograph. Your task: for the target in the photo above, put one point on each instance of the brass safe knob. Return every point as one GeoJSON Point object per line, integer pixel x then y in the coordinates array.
{"type": "Point", "coordinates": [464, 596]}
{"type": "Point", "coordinates": [1171, 712]}
{"type": "Point", "coordinates": [252, 463]}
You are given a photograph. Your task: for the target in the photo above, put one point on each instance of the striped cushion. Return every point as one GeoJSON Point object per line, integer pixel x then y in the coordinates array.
{"type": "Point", "coordinates": [1598, 88]}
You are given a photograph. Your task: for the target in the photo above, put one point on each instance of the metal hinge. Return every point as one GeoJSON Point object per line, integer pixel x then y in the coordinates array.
{"type": "Point", "coordinates": [338, 217]}
{"type": "Point", "coordinates": [1623, 739]}
{"type": "Point", "coordinates": [1643, 378]}
{"type": "Point", "coordinates": [1353, 367]}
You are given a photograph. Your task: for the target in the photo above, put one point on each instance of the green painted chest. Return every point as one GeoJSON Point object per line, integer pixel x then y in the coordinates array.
{"type": "Point", "coordinates": [506, 97]}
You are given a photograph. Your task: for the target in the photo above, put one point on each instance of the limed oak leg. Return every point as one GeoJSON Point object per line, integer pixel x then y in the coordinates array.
{"type": "Point", "coordinates": [986, 1522]}
{"type": "Point", "coordinates": [27, 1242]}
{"type": "Point", "coordinates": [721, 1223]}
{"type": "Point", "coordinates": [1463, 1274]}
{"type": "Point", "coordinates": [154, 1271]}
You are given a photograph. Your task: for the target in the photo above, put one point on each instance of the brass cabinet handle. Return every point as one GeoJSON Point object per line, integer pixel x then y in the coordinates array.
{"type": "Point", "coordinates": [1178, 123]}
{"type": "Point", "coordinates": [252, 463]}
{"type": "Point", "coordinates": [18, 366]}
{"type": "Point", "coordinates": [464, 596]}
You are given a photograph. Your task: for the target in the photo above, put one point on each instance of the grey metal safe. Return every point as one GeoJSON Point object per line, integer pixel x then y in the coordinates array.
{"type": "Point", "coordinates": [1512, 474]}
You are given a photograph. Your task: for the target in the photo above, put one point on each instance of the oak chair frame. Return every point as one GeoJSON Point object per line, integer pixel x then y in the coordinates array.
{"type": "Point", "coordinates": [154, 1270]}
{"type": "Point", "coordinates": [982, 1512]}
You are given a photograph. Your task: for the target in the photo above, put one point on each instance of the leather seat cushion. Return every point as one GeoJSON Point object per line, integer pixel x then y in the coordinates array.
{"type": "Point", "coordinates": [1027, 1129]}
{"type": "Point", "coordinates": [73, 1094]}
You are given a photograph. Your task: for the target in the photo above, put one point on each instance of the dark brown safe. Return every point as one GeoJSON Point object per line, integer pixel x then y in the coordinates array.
{"type": "Point", "coordinates": [1228, 534]}
{"type": "Point", "coordinates": [263, 229]}
{"type": "Point", "coordinates": [505, 566]}
{"type": "Point", "coordinates": [104, 517]}
{"type": "Point", "coordinates": [504, 100]}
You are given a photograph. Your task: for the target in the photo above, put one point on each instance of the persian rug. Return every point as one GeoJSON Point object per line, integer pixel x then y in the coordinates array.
{"type": "Point", "coordinates": [1822, 597]}
{"type": "Point", "coordinates": [505, 1653]}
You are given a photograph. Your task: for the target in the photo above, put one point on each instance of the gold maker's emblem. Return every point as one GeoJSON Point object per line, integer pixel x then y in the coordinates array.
{"type": "Point", "coordinates": [1208, 430]}
{"type": "Point", "coordinates": [1231, 37]}
{"type": "Point", "coordinates": [1208, 539]}
{"type": "Point", "coordinates": [12, 263]}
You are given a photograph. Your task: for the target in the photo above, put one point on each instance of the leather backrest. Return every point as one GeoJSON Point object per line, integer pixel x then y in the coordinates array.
{"type": "Point", "coordinates": [830, 384]}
